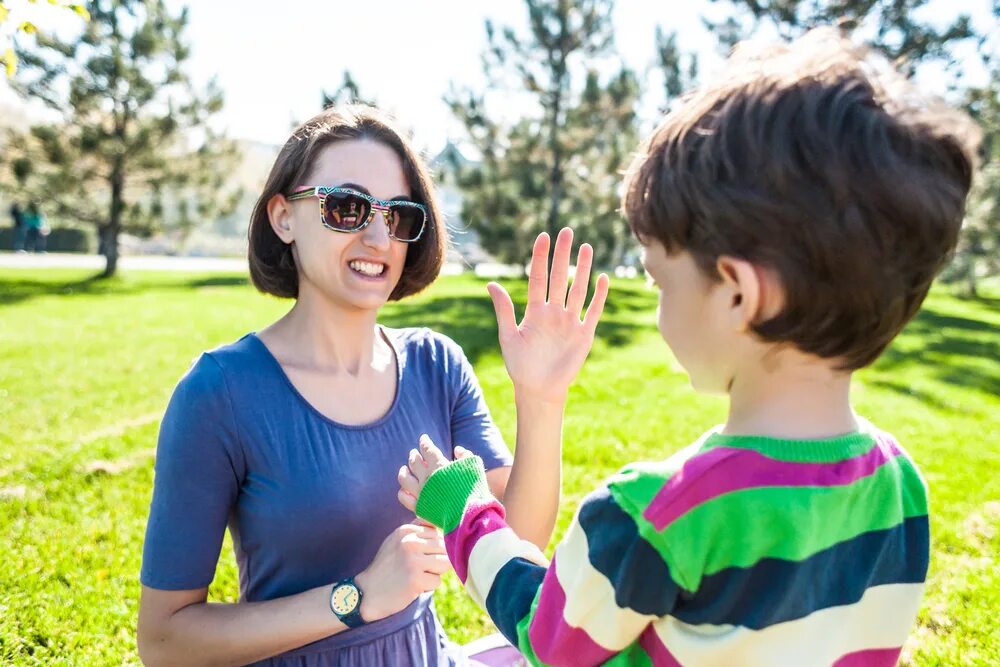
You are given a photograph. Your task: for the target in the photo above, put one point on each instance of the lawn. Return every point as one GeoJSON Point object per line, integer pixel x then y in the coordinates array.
{"type": "Point", "coordinates": [86, 369]}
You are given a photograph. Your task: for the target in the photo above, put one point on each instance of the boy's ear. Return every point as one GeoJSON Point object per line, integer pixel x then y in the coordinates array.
{"type": "Point", "coordinates": [279, 213]}
{"type": "Point", "coordinates": [753, 291]}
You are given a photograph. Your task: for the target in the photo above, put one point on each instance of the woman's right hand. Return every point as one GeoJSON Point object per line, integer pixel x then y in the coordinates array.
{"type": "Point", "coordinates": [410, 562]}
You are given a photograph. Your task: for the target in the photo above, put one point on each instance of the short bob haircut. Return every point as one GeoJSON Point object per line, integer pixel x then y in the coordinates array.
{"type": "Point", "coordinates": [819, 162]}
{"type": "Point", "coordinates": [272, 266]}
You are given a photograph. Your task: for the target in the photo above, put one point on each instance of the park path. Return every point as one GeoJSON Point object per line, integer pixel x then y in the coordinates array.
{"type": "Point", "coordinates": [10, 260]}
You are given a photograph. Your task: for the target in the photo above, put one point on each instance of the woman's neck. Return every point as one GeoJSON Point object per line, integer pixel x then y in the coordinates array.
{"type": "Point", "coordinates": [322, 335]}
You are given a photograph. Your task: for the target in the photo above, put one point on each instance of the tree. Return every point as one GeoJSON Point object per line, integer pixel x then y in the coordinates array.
{"type": "Point", "coordinates": [979, 247]}
{"type": "Point", "coordinates": [8, 56]}
{"type": "Point", "coordinates": [520, 186]}
{"type": "Point", "coordinates": [893, 28]}
{"type": "Point", "coordinates": [347, 93]}
{"type": "Point", "coordinates": [132, 150]}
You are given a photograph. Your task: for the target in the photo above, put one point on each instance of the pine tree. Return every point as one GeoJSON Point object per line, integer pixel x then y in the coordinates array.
{"type": "Point", "coordinates": [133, 150]}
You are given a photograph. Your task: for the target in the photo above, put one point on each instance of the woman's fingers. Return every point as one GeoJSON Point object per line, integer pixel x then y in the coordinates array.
{"type": "Point", "coordinates": [560, 267]}
{"type": "Point", "coordinates": [581, 281]}
{"type": "Point", "coordinates": [436, 564]}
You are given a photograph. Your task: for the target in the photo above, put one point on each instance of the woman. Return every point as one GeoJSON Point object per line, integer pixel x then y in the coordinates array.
{"type": "Point", "coordinates": [292, 436]}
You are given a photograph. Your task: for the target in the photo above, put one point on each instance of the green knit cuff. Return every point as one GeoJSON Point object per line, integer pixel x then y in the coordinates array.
{"type": "Point", "coordinates": [449, 489]}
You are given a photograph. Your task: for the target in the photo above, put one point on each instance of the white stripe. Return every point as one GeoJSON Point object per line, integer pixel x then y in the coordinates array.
{"type": "Point", "coordinates": [490, 554]}
{"type": "Point", "coordinates": [882, 618]}
{"type": "Point", "coordinates": [590, 597]}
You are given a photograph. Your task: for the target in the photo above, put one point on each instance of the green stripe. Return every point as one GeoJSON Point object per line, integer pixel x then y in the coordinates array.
{"type": "Point", "coordinates": [448, 491]}
{"type": "Point", "coordinates": [795, 522]}
{"type": "Point", "coordinates": [645, 479]}
{"type": "Point", "coordinates": [631, 655]}
{"type": "Point", "coordinates": [523, 641]}
{"type": "Point", "coordinates": [829, 450]}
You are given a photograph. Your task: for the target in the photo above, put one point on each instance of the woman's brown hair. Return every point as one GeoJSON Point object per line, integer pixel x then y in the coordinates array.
{"type": "Point", "coordinates": [272, 266]}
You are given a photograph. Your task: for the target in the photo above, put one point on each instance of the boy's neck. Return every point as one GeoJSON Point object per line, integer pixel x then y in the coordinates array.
{"type": "Point", "coordinates": [792, 396]}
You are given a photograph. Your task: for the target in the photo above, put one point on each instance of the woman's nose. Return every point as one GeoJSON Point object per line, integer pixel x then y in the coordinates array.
{"type": "Point", "coordinates": [376, 234]}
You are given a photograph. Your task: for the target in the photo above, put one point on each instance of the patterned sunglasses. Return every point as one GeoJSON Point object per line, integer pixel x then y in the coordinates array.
{"type": "Point", "coordinates": [348, 210]}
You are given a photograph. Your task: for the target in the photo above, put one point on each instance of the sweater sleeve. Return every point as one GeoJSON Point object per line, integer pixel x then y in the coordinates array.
{"type": "Point", "coordinates": [604, 586]}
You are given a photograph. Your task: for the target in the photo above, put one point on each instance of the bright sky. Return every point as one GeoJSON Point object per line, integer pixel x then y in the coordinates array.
{"type": "Point", "coordinates": [273, 59]}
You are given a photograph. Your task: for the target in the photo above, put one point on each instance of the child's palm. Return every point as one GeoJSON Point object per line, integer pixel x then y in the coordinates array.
{"type": "Point", "coordinates": [546, 351]}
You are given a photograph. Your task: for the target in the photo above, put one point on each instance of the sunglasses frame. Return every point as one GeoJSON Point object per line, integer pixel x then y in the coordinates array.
{"type": "Point", "coordinates": [382, 205]}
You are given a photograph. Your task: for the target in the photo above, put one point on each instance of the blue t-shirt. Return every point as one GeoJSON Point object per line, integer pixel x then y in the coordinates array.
{"type": "Point", "coordinates": [308, 501]}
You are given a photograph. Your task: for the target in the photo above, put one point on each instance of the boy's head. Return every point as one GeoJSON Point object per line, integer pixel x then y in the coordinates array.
{"type": "Point", "coordinates": [808, 198]}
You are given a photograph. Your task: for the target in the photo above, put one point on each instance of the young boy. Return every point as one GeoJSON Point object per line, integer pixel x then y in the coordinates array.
{"type": "Point", "coordinates": [793, 217]}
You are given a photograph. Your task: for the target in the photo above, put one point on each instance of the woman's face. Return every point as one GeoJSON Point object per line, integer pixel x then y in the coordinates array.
{"type": "Point", "coordinates": [357, 270]}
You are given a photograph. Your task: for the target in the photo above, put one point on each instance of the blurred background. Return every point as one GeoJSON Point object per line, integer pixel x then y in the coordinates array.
{"type": "Point", "coordinates": [147, 128]}
{"type": "Point", "coordinates": [135, 137]}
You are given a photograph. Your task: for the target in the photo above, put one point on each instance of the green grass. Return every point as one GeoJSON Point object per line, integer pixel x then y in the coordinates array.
{"type": "Point", "coordinates": [86, 369]}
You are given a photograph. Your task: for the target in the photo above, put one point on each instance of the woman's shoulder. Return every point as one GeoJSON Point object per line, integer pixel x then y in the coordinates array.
{"type": "Point", "coordinates": [422, 343]}
{"type": "Point", "coordinates": [210, 371]}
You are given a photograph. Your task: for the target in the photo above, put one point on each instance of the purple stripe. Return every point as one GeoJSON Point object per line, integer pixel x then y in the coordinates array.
{"type": "Point", "coordinates": [876, 657]}
{"type": "Point", "coordinates": [479, 519]}
{"type": "Point", "coordinates": [658, 653]}
{"type": "Point", "coordinates": [554, 641]}
{"type": "Point", "coordinates": [726, 469]}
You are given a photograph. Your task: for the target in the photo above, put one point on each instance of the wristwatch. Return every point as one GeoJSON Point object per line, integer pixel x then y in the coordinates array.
{"type": "Point", "coordinates": [345, 602]}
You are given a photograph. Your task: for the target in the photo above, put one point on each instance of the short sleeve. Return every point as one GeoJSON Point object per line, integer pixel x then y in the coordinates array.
{"type": "Point", "coordinates": [199, 468]}
{"type": "Point", "coordinates": [472, 425]}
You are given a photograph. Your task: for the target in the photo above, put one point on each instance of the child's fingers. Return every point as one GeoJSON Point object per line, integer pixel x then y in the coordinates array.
{"type": "Point", "coordinates": [432, 455]}
{"type": "Point", "coordinates": [461, 452]}
{"type": "Point", "coordinates": [560, 267]}
{"type": "Point", "coordinates": [581, 281]}
{"type": "Point", "coordinates": [504, 307]}
{"type": "Point", "coordinates": [596, 307]}
{"type": "Point", "coordinates": [538, 274]}
{"type": "Point", "coordinates": [408, 483]}
{"type": "Point", "coordinates": [415, 462]}
{"type": "Point", "coordinates": [406, 500]}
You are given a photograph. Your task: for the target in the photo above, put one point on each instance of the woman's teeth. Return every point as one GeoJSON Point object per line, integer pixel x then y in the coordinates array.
{"type": "Point", "coordinates": [368, 268]}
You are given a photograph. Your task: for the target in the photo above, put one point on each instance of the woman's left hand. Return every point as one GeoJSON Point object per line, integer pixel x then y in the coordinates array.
{"type": "Point", "coordinates": [544, 353]}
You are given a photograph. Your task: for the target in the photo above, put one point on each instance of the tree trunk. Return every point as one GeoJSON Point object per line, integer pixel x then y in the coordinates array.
{"type": "Point", "coordinates": [114, 226]}
{"type": "Point", "coordinates": [556, 174]}
{"type": "Point", "coordinates": [109, 246]}
{"type": "Point", "coordinates": [970, 277]}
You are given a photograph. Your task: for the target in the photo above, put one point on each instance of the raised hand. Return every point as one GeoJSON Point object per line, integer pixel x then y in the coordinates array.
{"type": "Point", "coordinates": [544, 353]}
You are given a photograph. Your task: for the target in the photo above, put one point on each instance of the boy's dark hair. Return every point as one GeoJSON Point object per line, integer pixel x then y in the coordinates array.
{"type": "Point", "coordinates": [272, 266]}
{"type": "Point", "coordinates": [820, 163]}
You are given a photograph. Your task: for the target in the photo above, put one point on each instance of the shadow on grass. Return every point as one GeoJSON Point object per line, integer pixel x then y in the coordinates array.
{"type": "Point", "coordinates": [952, 349]}
{"type": "Point", "coordinates": [17, 290]}
{"type": "Point", "coordinates": [471, 321]}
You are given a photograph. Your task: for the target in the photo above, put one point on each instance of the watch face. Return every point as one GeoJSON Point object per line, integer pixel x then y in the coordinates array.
{"type": "Point", "coordinates": [344, 599]}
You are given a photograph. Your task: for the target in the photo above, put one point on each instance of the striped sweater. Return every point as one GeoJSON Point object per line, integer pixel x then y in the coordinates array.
{"type": "Point", "coordinates": [738, 550]}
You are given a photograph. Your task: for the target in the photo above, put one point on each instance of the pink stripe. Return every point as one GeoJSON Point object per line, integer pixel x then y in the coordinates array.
{"type": "Point", "coordinates": [876, 657]}
{"type": "Point", "coordinates": [479, 519]}
{"type": "Point", "coordinates": [726, 469]}
{"type": "Point", "coordinates": [658, 653]}
{"type": "Point", "coordinates": [554, 641]}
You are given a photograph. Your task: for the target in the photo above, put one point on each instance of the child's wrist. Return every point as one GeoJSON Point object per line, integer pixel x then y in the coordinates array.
{"type": "Point", "coordinates": [529, 396]}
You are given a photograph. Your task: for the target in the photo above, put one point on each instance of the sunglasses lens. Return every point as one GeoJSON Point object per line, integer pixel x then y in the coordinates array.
{"type": "Point", "coordinates": [407, 222]}
{"type": "Point", "coordinates": [345, 211]}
